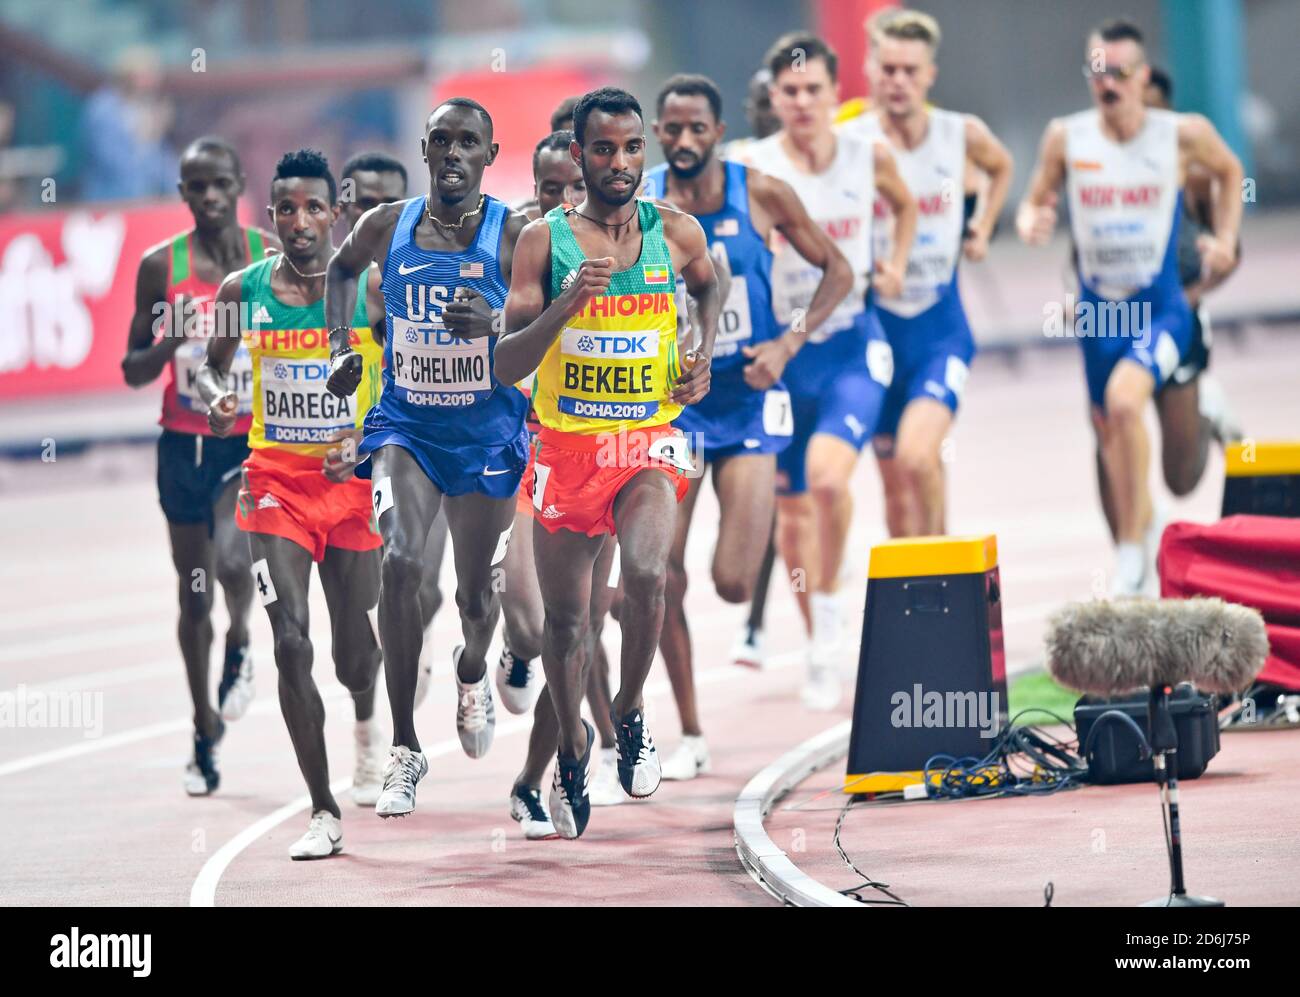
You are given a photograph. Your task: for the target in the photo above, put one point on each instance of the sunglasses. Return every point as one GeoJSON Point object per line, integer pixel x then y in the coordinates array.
{"type": "Point", "coordinates": [1119, 73]}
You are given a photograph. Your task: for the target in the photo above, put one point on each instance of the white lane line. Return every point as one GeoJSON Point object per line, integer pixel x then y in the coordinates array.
{"type": "Point", "coordinates": [88, 640]}
{"type": "Point", "coordinates": [136, 734]}
{"type": "Point", "coordinates": [204, 891]}
{"type": "Point", "coordinates": [81, 611]}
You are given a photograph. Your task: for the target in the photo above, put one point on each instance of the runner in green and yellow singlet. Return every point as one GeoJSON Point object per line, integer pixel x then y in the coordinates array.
{"type": "Point", "coordinates": [591, 309]}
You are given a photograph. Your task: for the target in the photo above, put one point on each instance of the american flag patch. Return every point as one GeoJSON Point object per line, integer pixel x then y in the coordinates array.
{"type": "Point", "coordinates": [471, 269]}
{"type": "Point", "coordinates": [726, 227]}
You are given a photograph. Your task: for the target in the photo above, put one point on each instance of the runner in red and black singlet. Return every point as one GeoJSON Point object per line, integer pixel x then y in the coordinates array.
{"type": "Point", "coordinates": [197, 472]}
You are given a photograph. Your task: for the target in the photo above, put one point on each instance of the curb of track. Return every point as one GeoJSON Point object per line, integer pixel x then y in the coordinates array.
{"type": "Point", "coordinates": [769, 865]}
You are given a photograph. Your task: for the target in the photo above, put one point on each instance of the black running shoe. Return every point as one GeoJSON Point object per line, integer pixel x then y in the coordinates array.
{"type": "Point", "coordinates": [638, 762]}
{"type": "Point", "coordinates": [201, 775]}
{"type": "Point", "coordinates": [236, 691]}
{"type": "Point", "coordinates": [570, 804]}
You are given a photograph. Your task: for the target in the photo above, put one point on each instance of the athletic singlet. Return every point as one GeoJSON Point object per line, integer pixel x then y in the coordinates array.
{"type": "Point", "coordinates": [839, 200]}
{"type": "Point", "coordinates": [1124, 205]}
{"type": "Point", "coordinates": [290, 350]}
{"type": "Point", "coordinates": [934, 172]}
{"type": "Point", "coordinates": [613, 366]}
{"type": "Point", "coordinates": [434, 381]}
{"type": "Point", "coordinates": [182, 409]}
{"type": "Point", "coordinates": [746, 316]}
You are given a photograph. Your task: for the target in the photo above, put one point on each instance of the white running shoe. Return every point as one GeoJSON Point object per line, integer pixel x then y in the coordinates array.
{"type": "Point", "coordinates": [1212, 402]}
{"type": "Point", "coordinates": [518, 681]}
{"type": "Point", "coordinates": [691, 758]}
{"type": "Point", "coordinates": [476, 717]}
{"type": "Point", "coordinates": [748, 650]}
{"type": "Point", "coordinates": [639, 772]}
{"type": "Point", "coordinates": [368, 776]}
{"type": "Point", "coordinates": [236, 690]}
{"type": "Point", "coordinates": [424, 675]}
{"type": "Point", "coordinates": [822, 688]}
{"type": "Point", "coordinates": [324, 838]}
{"type": "Point", "coordinates": [606, 791]}
{"type": "Point", "coordinates": [404, 769]}
{"type": "Point", "coordinates": [1130, 570]}
{"type": "Point", "coordinates": [527, 808]}
{"type": "Point", "coordinates": [570, 791]}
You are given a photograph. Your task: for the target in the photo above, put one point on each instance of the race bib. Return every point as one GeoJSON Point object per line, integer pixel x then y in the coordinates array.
{"type": "Point", "coordinates": [427, 359]}
{"type": "Point", "coordinates": [778, 416]}
{"type": "Point", "coordinates": [185, 369]}
{"type": "Point", "coordinates": [735, 329]}
{"type": "Point", "coordinates": [296, 405]}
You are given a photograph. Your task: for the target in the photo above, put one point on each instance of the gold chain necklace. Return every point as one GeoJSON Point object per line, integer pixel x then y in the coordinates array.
{"type": "Point", "coordinates": [284, 257]}
{"type": "Point", "coordinates": [457, 224]}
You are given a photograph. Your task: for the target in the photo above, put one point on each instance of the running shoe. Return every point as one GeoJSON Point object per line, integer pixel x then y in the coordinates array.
{"type": "Point", "coordinates": [570, 804]}
{"type": "Point", "coordinates": [518, 682]}
{"type": "Point", "coordinates": [476, 717]}
{"type": "Point", "coordinates": [527, 808]}
{"type": "Point", "coordinates": [691, 758]}
{"type": "Point", "coordinates": [201, 775]}
{"type": "Point", "coordinates": [822, 688]}
{"type": "Point", "coordinates": [606, 790]}
{"type": "Point", "coordinates": [236, 691]}
{"type": "Point", "coordinates": [368, 776]}
{"type": "Point", "coordinates": [405, 768]}
{"type": "Point", "coordinates": [324, 838]}
{"type": "Point", "coordinates": [638, 762]}
{"type": "Point", "coordinates": [748, 651]}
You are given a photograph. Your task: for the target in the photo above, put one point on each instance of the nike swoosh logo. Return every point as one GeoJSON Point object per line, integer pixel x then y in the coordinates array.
{"type": "Point", "coordinates": [490, 473]}
{"type": "Point", "coordinates": [403, 270]}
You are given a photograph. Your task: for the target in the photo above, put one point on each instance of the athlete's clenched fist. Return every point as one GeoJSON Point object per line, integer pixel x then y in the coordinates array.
{"type": "Point", "coordinates": [346, 368]}
{"type": "Point", "coordinates": [590, 279]}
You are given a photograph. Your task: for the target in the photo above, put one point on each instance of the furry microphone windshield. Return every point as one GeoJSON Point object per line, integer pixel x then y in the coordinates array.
{"type": "Point", "coordinates": [1109, 647]}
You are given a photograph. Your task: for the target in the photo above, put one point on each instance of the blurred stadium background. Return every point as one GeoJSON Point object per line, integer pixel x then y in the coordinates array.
{"type": "Point", "coordinates": [97, 96]}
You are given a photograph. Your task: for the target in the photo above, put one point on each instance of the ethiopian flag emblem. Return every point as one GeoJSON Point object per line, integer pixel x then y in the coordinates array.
{"type": "Point", "coordinates": [655, 274]}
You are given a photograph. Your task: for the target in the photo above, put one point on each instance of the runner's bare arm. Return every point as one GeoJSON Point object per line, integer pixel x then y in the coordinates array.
{"type": "Point", "coordinates": [888, 278]}
{"type": "Point", "coordinates": [791, 219]}
{"type": "Point", "coordinates": [682, 232]}
{"type": "Point", "coordinates": [149, 344]}
{"type": "Point", "coordinates": [985, 150]}
{"type": "Point", "coordinates": [367, 243]}
{"type": "Point", "coordinates": [211, 378]}
{"type": "Point", "coordinates": [530, 324]}
{"type": "Point", "coordinates": [468, 315]}
{"type": "Point", "coordinates": [1201, 144]}
{"type": "Point", "coordinates": [1036, 216]}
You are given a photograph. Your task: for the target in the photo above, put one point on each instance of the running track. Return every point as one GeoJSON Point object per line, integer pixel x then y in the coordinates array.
{"type": "Point", "coordinates": [88, 606]}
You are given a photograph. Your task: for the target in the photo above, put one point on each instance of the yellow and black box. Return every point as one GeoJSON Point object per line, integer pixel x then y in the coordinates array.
{"type": "Point", "coordinates": [932, 668]}
{"type": "Point", "coordinates": [1262, 479]}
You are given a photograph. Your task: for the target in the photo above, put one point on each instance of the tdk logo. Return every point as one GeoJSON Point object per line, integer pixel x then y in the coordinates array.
{"type": "Point", "coordinates": [599, 344]}
{"type": "Point", "coordinates": [435, 336]}
{"type": "Point", "coordinates": [302, 371]}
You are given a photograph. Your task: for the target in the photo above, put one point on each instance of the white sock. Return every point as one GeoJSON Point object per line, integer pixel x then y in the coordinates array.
{"type": "Point", "coordinates": [826, 618]}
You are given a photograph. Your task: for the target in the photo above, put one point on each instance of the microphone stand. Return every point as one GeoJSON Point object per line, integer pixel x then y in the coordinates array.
{"type": "Point", "coordinates": [1164, 750]}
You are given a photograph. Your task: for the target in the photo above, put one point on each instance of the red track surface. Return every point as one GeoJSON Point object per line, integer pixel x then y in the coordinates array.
{"type": "Point", "coordinates": [88, 606]}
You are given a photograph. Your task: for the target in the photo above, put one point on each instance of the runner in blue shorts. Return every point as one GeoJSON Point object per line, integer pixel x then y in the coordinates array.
{"type": "Point", "coordinates": [445, 434]}
{"type": "Point", "coordinates": [745, 420]}
{"type": "Point", "coordinates": [940, 154]}
{"type": "Point", "coordinates": [1125, 166]}
{"type": "Point", "coordinates": [836, 382]}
